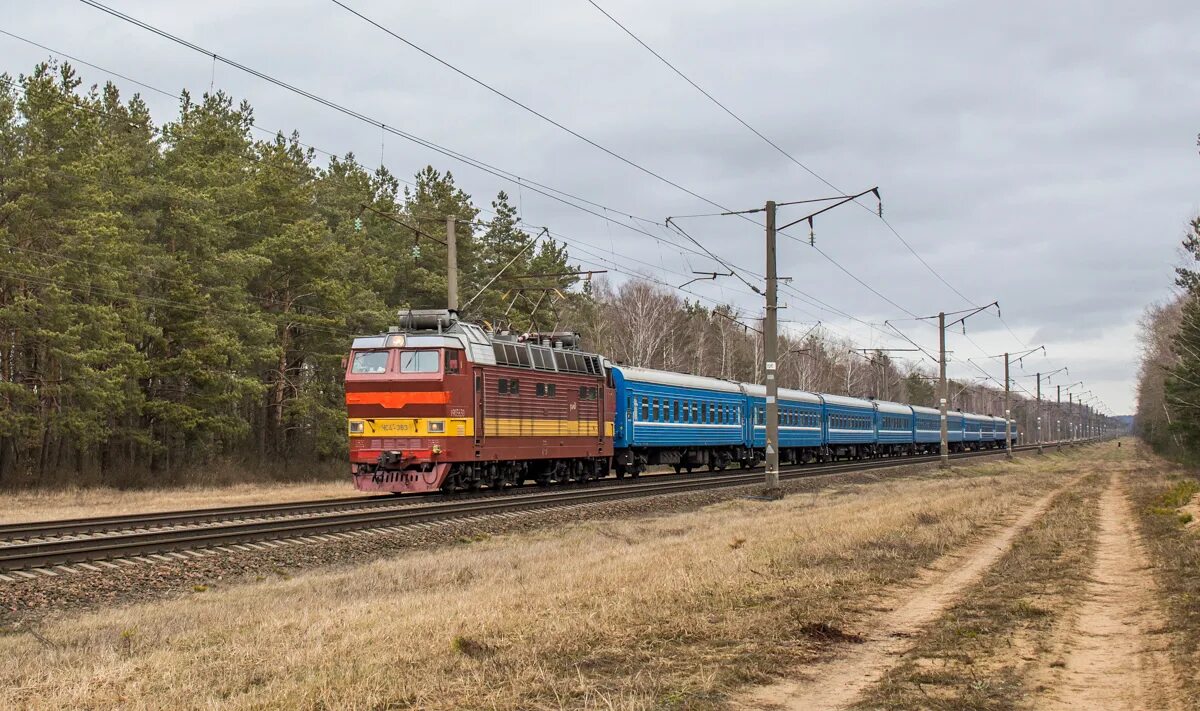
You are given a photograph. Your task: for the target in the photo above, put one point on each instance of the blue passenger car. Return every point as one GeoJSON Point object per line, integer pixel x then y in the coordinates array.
{"type": "Point", "coordinates": [972, 430]}
{"type": "Point", "coordinates": [800, 436]}
{"type": "Point", "coordinates": [954, 430]}
{"type": "Point", "coordinates": [849, 426]}
{"type": "Point", "coordinates": [987, 432]}
{"type": "Point", "coordinates": [670, 418]}
{"type": "Point", "coordinates": [894, 427]}
{"type": "Point", "coordinates": [997, 425]}
{"type": "Point", "coordinates": [927, 429]}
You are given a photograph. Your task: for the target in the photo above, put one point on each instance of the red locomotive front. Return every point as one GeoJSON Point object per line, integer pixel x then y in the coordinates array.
{"type": "Point", "coordinates": [441, 405]}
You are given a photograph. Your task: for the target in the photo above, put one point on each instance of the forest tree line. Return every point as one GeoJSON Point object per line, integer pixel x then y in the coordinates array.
{"type": "Point", "coordinates": [1168, 388]}
{"type": "Point", "coordinates": [181, 294]}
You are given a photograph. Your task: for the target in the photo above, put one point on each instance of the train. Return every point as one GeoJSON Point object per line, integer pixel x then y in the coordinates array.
{"type": "Point", "coordinates": [440, 404]}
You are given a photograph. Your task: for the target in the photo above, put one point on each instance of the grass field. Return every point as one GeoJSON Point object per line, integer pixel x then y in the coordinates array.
{"type": "Point", "coordinates": [46, 504]}
{"type": "Point", "coordinates": [674, 611]}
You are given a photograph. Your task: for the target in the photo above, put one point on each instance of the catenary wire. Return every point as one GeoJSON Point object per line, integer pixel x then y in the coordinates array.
{"type": "Point", "coordinates": [776, 146]}
{"type": "Point", "coordinates": [490, 169]}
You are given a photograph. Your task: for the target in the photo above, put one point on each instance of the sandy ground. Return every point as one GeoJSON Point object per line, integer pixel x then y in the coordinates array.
{"type": "Point", "coordinates": [837, 683]}
{"type": "Point", "coordinates": [80, 503]}
{"type": "Point", "coordinates": [1113, 658]}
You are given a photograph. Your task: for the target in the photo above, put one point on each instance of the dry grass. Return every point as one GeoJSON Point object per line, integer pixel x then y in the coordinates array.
{"type": "Point", "coordinates": [981, 653]}
{"type": "Point", "coordinates": [1172, 540]}
{"type": "Point", "coordinates": [41, 505]}
{"type": "Point", "coordinates": [217, 473]}
{"type": "Point", "coordinates": [671, 612]}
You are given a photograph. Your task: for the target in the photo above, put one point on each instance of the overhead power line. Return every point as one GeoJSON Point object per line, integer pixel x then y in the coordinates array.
{"type": "Point", "coordinates": [520, 181]}
{"type": "Point", "coordinates": [773, 144]}
{"type": "Point", "coordinates": [595, 144]}
{"type": "Point", "coordinates": [553, 193]}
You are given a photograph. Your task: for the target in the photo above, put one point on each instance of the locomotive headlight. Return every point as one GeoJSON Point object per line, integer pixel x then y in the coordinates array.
{"type": "Point", "coordinates": [356, 427]}
{"type": "Point", "coordinates": [437, 426]}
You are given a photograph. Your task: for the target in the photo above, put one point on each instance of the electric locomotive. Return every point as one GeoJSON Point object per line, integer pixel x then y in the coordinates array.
{"type": "Point", "coordinates": [440, 404]}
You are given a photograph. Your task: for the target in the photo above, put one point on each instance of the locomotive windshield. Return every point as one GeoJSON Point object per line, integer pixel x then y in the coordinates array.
{"type": "Point", "coordinates": [418, 361]}
{"type": "Point", "coordinates": [370, 362]}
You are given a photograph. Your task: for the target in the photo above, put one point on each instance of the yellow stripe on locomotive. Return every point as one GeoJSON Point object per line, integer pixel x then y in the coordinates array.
{"type": "Point", "coordinates": [412, 427]}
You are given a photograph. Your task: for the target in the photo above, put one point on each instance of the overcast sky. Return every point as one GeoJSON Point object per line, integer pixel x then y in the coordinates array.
{"type": "Point", "coordinates": [1039, 154]}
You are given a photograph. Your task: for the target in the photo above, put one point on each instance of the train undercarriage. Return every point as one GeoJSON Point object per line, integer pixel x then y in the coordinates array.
{"type": "Point", "coordinates": [474, 476]}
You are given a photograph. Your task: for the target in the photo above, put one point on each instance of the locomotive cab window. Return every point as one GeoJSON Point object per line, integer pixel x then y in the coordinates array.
{"type": "Point", "coordinates": [370, 362]}
{"type": "Point", "coordinates": [418, 361]}
{"type": "Point", "coordinates": [451, 361]}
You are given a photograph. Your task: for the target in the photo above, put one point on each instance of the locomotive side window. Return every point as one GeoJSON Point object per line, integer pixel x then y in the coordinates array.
{"type": "Point", "coordinates": [371, 362]}
{"type": "Point", "coordinates": [551, 390]}
{"type": "Point", "coordinates": [451, 362]}
{"type": "Point", "coordinates": [514, 387]}
{"type": "Point", "coordinates": [502, 386]}
{"type": "Point", "coordinates": [540, 390]}
{"type": "Point", "coordinates": [418, 361]}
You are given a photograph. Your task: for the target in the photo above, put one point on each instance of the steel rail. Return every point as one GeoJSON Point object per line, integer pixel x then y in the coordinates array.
{"type": "Point", "coordinates": [141, 543]}
{"type": "Point", "coordinates": [185, 517]}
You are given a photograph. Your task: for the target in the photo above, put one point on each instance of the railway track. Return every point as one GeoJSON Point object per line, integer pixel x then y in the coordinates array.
{"type": "Point", "coordinates": [54, 543]}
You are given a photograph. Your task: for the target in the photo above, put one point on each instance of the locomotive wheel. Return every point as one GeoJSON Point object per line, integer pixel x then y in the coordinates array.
{"type": "Point", "coordinates": [678, 468]}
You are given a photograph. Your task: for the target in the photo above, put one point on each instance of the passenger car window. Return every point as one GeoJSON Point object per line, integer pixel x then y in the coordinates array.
{"type": "Point", "coordinates": [370, 362]}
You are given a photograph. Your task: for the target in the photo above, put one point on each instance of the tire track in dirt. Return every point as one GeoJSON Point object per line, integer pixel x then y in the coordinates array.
{"type": "Point", "coordinates": [1113, 659]}
{"type": "Point", "coordinates": [837, 683]}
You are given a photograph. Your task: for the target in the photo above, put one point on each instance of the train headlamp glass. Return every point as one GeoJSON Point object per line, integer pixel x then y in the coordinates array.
{"type": "Point", "coordinates": [356, 427]}
{"type": "Point", "coordinates": [437, 426]}
{"type": "Point", "coordinates": [395, 340]}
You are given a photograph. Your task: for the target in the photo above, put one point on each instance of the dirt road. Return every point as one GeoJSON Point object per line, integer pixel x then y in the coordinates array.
{"type": "Point", "coordinates": [1114, 657]}
{"type": "Point", "coordinates": [837, 684]}
{"type": "Point", "coordinates": [1098, 644]}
